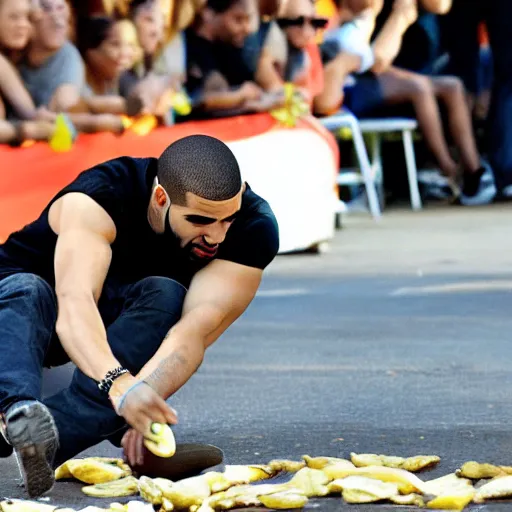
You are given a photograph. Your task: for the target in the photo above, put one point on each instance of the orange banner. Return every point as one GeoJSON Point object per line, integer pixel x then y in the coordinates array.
{"type": "Point", "coordinates": [29, 177]}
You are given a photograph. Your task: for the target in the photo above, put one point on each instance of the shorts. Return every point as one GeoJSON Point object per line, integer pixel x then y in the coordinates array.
{"type": "Point", "coordinates": [365, 97]}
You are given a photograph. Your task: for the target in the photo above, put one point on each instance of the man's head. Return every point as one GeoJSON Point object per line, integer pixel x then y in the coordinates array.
{"type": "Point", "coordinates": [299, 21]}
{"type": "Point", "coordinates": [198, 193]}
{"type": "Point", "coordinates": [230, 21]}
{"type": "Point", "coordinates": [52, 25]}
{"type": "Point", "coordinates": [148, 17]}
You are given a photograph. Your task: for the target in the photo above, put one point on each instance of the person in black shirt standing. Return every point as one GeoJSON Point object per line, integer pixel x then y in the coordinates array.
{"type": "Point", "coordinates": [131, 272]}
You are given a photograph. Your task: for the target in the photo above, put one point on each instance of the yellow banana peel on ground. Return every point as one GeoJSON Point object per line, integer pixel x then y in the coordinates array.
{"type": "Point", "coordinates": [498, 488]}
{"type": "Point", "coordinates": [477, 471]}
{"type": "Point", "coordinates": [412, 464]}
{"type": "Point", "coordinates": [322, 462]}
{"type": "Point", "coordinates": [93, 470]}
{"type": "Point", "coordinates": [127, 486]}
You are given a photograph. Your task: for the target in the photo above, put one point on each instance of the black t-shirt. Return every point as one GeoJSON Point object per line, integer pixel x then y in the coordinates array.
{"type": "Point", "coordinates": [123, 188]}
{"type": "Point", "coordinates": [204, 57]}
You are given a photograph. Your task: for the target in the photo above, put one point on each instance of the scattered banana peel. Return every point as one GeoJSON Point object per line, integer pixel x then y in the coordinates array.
{"type": "Point", "coordinates": [498, 488]}
{"type": "Point", "coordinates": [322, 462]}
{"type": "Point", "coordinates": [160, 441]}
{"type": "Point", "coordinates": [412, 464]}
{"type": "Point", "coordinates": [93, 470]}
{"type": "Point", "coordinates": [477, 471]}
{"type": "Point", "coordinates": [127, 486]}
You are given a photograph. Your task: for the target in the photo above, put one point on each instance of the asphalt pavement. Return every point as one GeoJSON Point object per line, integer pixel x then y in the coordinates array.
{"type": "Point", "coordinates": [397, 341]}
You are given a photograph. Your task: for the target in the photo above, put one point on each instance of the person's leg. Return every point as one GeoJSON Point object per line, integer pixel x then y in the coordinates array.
{"type": "Point", "coordinates": [399, 87]}
{"type": "Point", "coordinates": [83, 414]}
{"type": "Point", "coordinates": [450, 90]}
{"type": "Point", "coordinates": [499, 14]}
{"type": "Point", "coordinates": [28, 313]}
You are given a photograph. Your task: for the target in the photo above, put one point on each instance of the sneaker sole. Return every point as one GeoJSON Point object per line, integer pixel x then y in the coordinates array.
{"type": "Point", "coordinates": [32, 433]}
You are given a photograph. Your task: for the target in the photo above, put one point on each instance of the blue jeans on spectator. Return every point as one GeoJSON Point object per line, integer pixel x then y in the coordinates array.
{"type": "Point", "coordinates": [137, 318]}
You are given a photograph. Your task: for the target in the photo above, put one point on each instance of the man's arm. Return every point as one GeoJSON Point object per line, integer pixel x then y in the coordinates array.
{"type": "Point", "coordinates": [218, 295]}
{"type": "Point", "coordinates": [82, 258]}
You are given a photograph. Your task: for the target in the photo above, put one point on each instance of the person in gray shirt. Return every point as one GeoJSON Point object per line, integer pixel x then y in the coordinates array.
{"type": "Point", "coordinates": [53, 71]}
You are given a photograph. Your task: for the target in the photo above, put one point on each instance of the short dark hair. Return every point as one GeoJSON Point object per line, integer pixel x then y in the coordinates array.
{"type": "Point", "coordinates": [221, 6]}
{"type": "Point", "coordinates": [202, 165]}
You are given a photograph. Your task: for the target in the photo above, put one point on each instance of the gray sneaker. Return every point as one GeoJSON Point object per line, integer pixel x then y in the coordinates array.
{"type": "Point", "coordinates": [31, 431]}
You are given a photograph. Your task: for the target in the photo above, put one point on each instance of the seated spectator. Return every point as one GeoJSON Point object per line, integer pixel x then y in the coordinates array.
{"type": "Point", "coordinates": [321, 86]}
{"type": "Point", "coordinates": [52, 70]}
{"type": "Point", "coordinates": [387, 85]}
{"type": "Point", "coordinates": [19, 118]}
{"type": "Point", "coordinates": [218, 86]}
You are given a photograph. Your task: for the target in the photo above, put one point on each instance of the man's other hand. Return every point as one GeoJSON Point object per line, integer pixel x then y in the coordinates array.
{"type": "Point", "coordinates": [140, 405]}
{"type": "Point", "coordinates": [133, 448]}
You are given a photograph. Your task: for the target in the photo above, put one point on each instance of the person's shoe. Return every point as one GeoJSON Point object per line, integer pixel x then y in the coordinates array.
{"type": "Point", "coordinates": [5, 447]}
{"type": "Point", "coordinates": [32, 433]}
{"type": "Point", "coordinates": [478, 188]}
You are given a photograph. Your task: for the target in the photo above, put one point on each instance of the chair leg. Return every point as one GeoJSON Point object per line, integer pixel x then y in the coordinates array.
{"type": "Point", "coordinates": [366, 169]}
{"type": "Point", "coordinates": [412, 172]}
{"type": "Point", "coordinates": [377, 167]}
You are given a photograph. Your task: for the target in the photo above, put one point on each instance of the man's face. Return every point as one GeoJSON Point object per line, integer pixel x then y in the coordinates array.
{"type": "Point", "coordinates": [234, 25]}
{"type": "Point", "coordinates": [149, 21]}
{"type": "Point", "coordinates": [52, 24]}
{"type": "Point", "coordinates": [202, 225]}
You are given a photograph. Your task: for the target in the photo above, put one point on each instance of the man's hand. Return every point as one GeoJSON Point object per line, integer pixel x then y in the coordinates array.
{"type": "Point", "coordinates": [133, 448]}
{"type": "Point", "coordinates": [408, 9]}
{"type": "Point", "coordinates": [140, 405]}
{"type": "Point", "coordinates": [249, 91]}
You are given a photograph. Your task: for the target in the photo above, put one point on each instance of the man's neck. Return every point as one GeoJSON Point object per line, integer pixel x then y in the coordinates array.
{"type": "Point", "coordinates": [38, 55]}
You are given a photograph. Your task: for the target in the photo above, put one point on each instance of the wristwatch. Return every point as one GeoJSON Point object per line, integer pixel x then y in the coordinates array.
{"type": "Point", "coordinates": [106, 383]}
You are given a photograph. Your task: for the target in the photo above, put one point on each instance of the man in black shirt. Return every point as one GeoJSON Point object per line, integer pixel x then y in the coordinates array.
{"type": "Point", "coordinates": [131, 272]}
{"type": "Point", "coordinates": [219, 80]}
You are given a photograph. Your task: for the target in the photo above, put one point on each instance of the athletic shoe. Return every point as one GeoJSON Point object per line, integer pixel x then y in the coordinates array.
{"type": "Point", "coordinates": [477, 188]}
{"type": "Point", "coordinates": [5, 447]}
{"type": "Point", "coordinates": [32, 433]}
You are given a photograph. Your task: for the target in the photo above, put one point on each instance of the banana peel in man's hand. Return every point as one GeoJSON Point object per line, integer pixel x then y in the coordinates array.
{"type": "Point", "coordinates": [160, 441]}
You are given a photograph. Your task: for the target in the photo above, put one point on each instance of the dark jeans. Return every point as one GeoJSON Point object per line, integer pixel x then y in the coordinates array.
{"type": "Point", "coordinates": [462, 45]}
{"type": "Point", "coordinates": [137, 318]}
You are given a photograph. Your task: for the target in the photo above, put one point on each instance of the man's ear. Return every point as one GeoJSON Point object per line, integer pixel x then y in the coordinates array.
{"type": "Point", "coordinates": [161, 197]}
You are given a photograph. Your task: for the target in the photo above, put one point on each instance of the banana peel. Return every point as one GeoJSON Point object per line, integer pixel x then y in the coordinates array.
{"type": "Point", "coordinates": [127, 486]}
{"type": "Point", "coordinates": [290, 466]}
{"type": "Point", "coordinates": [238, 474]}
{"type": "Point", "coordinates": [412, 499]}
{"type": "Point", "coordinates": [497, 488]}
{"type": "Point", "coordinates": [407, 482]}
{"type": "Point", "coordinates": [188, 492]}
{"type": "Point", "coordinates": [448, 484]}
{"type": "Point", "coordinates": [412, 464]}
{"type": "Point", "coordinates": [25, 506]}
{"type": "Point", "coordinates": [160, 441]}
{"type": "Point", "coordinates": [452, 501]}
{"type": "Point", "coordinates": [361, 489]}
{"type": "Point", "coordinates": [167, 505]}
{"type": "Point", "coordinates": [93, 470]}
{"type": "Point", "coordinates": [150, 491]}
{"type": "Point", "coordinates": [284, 500]}
{"type": "Point", "coordinates": [322, 462]}
{"type": "Point", "coordinates": [310, 482]}
{"type": "Point", "coordinates": [477, 471]}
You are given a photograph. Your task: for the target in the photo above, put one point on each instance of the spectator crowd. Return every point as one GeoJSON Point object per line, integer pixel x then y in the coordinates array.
{"type": "Point", "coordinates": [107, 63]}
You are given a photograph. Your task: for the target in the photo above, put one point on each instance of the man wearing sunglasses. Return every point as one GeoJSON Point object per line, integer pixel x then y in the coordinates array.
{"type": "Point", "coordinates": [131, 272]}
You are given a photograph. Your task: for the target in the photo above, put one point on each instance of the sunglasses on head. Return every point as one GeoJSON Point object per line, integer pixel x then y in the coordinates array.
{"type": "Point", "coordinates": [301, 21]}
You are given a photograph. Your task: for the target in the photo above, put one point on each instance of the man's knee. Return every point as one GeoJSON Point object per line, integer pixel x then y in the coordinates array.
{"type": "Point", "coordinates": [29, 287]}
{"type": "Point", "coordinates": [160, 293]}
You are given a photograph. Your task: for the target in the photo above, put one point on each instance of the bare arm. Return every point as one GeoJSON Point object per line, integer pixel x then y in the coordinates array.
{"type": "Point", "coordinates": [267, 76]}
{"type": "Point", "coordinates": [437, 6]}
{"type": "Point", "coordinates": [389, 40]}
{"type": "Point", "coordinates": [13, 90]}
{"type": "Point", "coordinates": [64, 98]}
{"type": "Point", "coordinates": [218, 295]}
{"type": "Point", "coordinates": [106, 104]}
{"type": "Point", "coordinates": [82, 258]}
